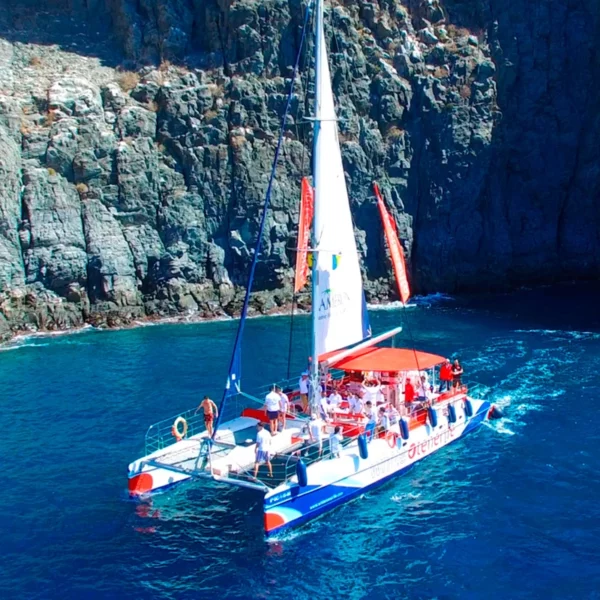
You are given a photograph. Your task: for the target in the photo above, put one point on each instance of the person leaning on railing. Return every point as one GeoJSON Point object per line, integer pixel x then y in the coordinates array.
{"type": "Point", "coordinates": [457, 373]}
{"type": "Point", "coordinates": [446, 376]}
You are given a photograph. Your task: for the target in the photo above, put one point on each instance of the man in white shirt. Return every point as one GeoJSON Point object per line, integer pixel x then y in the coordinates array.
{"type": "Point", "coordinates": [315, 430]}
{"type": "Point", "coordinates": [370, 412]}
{"type": "Point", "coordinates": [303, 386]}
{"type": "Point", "coordinates": [383, 422]}
{"type": "Point", "coordinates": [263, 444]}
{"type": "Point", "coordinates": [356, 406]}
{"type": "Point", "coordinates": [272, 403]}
{"type": "Point", "coordinates": [334, 401]}
{"type": "Point", "coordinates": [422, 389]}
{"type": "Point", "coordinates": [284, 407]}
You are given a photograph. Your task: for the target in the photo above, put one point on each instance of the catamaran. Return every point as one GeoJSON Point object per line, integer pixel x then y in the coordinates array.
{"type": "Point", "coordinates": [374, 409]}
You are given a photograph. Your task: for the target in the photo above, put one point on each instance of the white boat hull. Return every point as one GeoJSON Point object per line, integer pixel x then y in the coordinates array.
{"type": "Point", "coordinates": [338, 480]}
{"type": "Point", "coordinates": [187, 458]}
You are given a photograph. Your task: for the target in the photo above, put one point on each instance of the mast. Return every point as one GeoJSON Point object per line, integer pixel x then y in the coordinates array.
{"type": "Point", "coordinates": [314, 366]}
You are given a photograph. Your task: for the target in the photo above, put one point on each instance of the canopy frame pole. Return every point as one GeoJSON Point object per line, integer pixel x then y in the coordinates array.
{"type": "Point", "coordinates": [344, 353]}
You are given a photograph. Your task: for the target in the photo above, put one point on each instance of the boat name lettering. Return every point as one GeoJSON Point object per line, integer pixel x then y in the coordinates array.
{"type": "Point", "coordinates": [423, 448]}
{"type": "Point", "coordinates": [326, 501]}
{"type": "Point", "coordinates": [282, 496]}
{"type": "Point", "coordinates": [389, 466]}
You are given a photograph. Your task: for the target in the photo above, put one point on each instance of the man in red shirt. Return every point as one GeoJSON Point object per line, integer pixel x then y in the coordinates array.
{"type": "Point", "coordinates": [446, 376]}
{"type": "Point", "coordinates": [409, 394]}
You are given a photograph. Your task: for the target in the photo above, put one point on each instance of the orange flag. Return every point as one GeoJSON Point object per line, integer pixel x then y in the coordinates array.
{"type": "Point", "coordinates": [306, 216]}
{"type": "Point", "coordinates": [391, 235]}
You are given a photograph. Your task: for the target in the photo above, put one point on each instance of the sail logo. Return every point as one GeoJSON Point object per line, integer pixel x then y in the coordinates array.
{"type": "Point", "coordinates": [333, 302]}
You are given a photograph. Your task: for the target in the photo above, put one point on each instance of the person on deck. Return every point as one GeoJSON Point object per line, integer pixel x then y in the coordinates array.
{"type": "Point", "coordinates": [393, 415]}
{"type": "Point", "coordinates": [356, 405]}
{"type": "Point", "coordinates": [210, 413]}
{"type": "Point", "coordinates": [263, 444]}
{"type": "Point", "coordinates": [370, 412]}
{"type": "Point", "coordinates": [457, 372]}
{"type": "Point", "coordinates": [422, 389]}
{"type": "Point", "coordinates": [326, 382]}
{"type": "Point", "coordinates": [335, 442]}
{"type": "Point", "coordinates": [409, 391]}
{"type": "Point", "coordinates": [383, 422]}
{"type": "Point", "coordinates": [303, 386]}
{"type": "Point", "coordinates": [334, 400]}
{"type": "Point", "coordinates": [284, 407]}
{"type": "Point", "coordinates": [272, 403]}
{"type": "Point", "coordinates": [315, 430]}
{"type": "Point", "coordinates": [409, 395]}
{"type": "Point", "coordinates": [446, 376]}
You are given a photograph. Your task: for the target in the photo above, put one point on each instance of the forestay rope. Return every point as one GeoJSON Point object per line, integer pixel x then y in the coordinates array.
{"type": "Point", "coordinates": [232, 386]}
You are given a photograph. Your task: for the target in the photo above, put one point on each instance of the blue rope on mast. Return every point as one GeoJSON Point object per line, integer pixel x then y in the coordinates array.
{"type": "Point", "coordinates": [235, 367]}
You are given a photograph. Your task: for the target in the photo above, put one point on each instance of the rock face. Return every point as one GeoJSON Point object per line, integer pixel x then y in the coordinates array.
{"type": "Point", "coordinates": [136, 140]}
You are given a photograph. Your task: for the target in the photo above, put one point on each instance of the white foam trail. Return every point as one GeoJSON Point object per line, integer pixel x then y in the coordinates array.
{"type": "Point", "coordinates": [499, 426]}
{"type": "Point", "coordinates": [404, 497]}
{"type": "Point", "coordinates": [414, 302]}
{"type": "Point", "coordinates": [561, 334]}
{"type": "Point", "coordinates": [31, 340]}
{"type": "Point", "coordinates": [396, 305]}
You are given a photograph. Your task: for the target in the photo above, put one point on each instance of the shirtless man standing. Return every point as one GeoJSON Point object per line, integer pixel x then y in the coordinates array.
{"type": "Point", "coordinates": [210, 412]}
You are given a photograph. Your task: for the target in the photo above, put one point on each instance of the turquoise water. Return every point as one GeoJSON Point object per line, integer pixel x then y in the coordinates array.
{"type": "Point", "coordinates": [510, 512]}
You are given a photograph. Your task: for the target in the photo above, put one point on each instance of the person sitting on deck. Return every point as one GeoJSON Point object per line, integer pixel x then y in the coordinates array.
{"type": "Point", "coordinates": [272, 401]}
{"type": "Point", "coordinates": [393, 415]}
{"type": "Point", "coordinates": [210, 413]}
{"type": "Point", "coordinates": [262, 454]}
{"type": "Point", "coordinates": [315, 430]}
{"type": "Point", "coordinates": [446, 376]}
{"type": "Point", "coordinates": [457, 372]}
{"type": "Point", "coordinates": [355, 403]}
{"type": "Point", "coordinates": [303, 385]}
{"type": "Point", "coordinates": [334, 401]}
{"type": "Point", "coordinates": [284, 407]}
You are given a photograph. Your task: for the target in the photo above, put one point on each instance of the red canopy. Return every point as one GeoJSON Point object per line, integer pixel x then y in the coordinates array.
{"type": "Point", "coordinates": [388, 360]}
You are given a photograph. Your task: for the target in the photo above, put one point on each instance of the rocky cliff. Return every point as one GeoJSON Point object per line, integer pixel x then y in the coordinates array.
{"type": "Point", "coordinates": [136, 139]}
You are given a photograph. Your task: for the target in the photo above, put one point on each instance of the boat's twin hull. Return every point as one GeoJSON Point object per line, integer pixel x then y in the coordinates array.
{"type": "Point", "coordinates": [330, 482]}
{"type": "Point", "coordinates": [333, 482]}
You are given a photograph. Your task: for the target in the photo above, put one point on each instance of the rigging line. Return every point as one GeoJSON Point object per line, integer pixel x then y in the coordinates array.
{"type": "Point", "coordinates": [412, 339]}
{"type": "Point", "coordinates": [235, 363]}
{"type": "Point", "coordinates": [291, 344]}
{"type": "Point", "coordinates": [301, 107]}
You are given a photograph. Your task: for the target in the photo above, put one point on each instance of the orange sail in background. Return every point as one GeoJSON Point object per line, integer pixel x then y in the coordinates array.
{"type": "Point", "coordinates": [391, 235]}
{"type": "Point", "coordinates": [306, 216]}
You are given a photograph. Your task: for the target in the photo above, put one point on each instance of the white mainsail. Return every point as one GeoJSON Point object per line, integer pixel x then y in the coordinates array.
{"type": "Point", "coordinates": [338, 299]}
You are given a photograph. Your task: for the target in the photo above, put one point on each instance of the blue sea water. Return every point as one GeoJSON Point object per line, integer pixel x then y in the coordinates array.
{"type": "Point", "coordinates": [512, 511]}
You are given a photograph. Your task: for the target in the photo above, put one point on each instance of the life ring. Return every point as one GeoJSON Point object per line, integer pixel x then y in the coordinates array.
{"type": "Point", "coordinates": [177, 434]}
{"type": "Point", "coordinates": [391, 439]}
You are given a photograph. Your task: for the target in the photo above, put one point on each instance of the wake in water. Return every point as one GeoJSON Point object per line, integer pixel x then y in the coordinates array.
{"type": "Point", "coordinates": [561, 335]}
{"type": "Point", "coordinates": [35, 338]}
{"type": "Point", "coordinates": [536, 377]}
{"type": "Point", "coordinates": [416, 301]}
